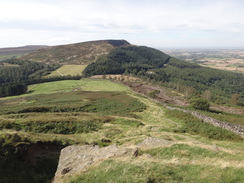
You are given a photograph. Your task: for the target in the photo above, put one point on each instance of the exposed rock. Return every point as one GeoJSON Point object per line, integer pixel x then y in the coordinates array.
{"type": "Point", "coordinates": [153, 142]}
{"type": "Point", "coordinates": [74, 159]}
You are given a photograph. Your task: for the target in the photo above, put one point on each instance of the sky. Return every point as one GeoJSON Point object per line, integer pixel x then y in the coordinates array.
{"type": "Point", "coordinates": [154, 23]}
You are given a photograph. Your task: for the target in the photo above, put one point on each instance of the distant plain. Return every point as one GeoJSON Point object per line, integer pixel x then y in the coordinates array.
{"type": "Point", "coordinates": [224, 59]}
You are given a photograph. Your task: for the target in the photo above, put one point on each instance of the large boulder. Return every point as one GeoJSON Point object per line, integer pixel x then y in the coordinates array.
{"type": "Point", "coordinates": [74, 159]}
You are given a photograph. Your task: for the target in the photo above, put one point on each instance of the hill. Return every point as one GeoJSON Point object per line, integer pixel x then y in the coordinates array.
{"type": "Point", "coordinates": [120, 57]}
{"type": "Point", "coordinates": [78, 53]}
{"type": "Point", "coordinates": [6, 53]}
{"type": "Point", "coordinates": [100, 130]}
{"type": "Point", "coordinates": [157, 67]}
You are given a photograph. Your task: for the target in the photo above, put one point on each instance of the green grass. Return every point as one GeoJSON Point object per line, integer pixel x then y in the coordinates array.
{"type": "Point", "coordinates": [56, 112]}
{"type": "Point", "coordinates": [72, 86]}
{"type": "Point", "coordinates": [189, 152]}
{"type": "Point", "coordinates": [195, 126]}
{"type": "Point", "coordinates": [111, 171]}
{"type": "Point", "coordinates": [67, 113]}
{"type": "Point", "coordinates": [234, 66]}
{"type": "Point", "coordinates": [75, 85]}
{"type": "Point", "coordinates": [106, 103]}
{"type": "Point", "coordinates": [101, 112]}
{"type": "Point", "coordinates": [60, 127]}
{"type": "Point", "coordinates": [68, 70]}
{"type": "Point", "coordinates": [228, 117]}
{"type": "Point", "coordinates": [127, 122]}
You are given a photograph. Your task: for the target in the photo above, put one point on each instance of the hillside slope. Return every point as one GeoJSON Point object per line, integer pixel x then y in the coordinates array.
{"type": "Point", "coordinates": [6, 53]}
{"type": "Point", "coordinates": [78, 53]}
{"type": "Point", "coordinates": [120, 57]}
{"type": "Point", "coordinates": [158, 67]}
{"type": "Point", "coordinates": [139, 139]}
{"type": "Point", "coordinates": [145, 141]}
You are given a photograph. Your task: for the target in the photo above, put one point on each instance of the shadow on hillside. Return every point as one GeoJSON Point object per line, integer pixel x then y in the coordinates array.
{"type": "Point", "coordinates": [29, 92]}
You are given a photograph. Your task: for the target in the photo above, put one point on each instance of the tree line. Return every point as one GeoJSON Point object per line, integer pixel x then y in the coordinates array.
{"type": "Point", "coordinates": [127, 59]}
{"type": "Point", "coordinates": [16, 75]}
{"type": "Point", "coordinates": [17, 88]}
{"type": "Point", "coordinates": [15, 70]}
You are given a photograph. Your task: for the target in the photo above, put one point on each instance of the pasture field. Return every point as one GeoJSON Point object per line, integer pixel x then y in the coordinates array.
{"type": "Point", "coordinates": [75, 85]}
{"type": "Point", "coordinates": [65, 70]}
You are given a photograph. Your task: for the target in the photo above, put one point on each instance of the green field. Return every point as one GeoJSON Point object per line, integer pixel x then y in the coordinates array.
{"type": "Point", "coordinates": [68, 70]}
{"type": "Point", "coordinates": [75, 85]}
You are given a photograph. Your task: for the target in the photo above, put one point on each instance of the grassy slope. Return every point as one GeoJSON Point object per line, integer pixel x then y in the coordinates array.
{"type": "Point", "coordinates": [68, 70]}
{"type": "Point", "coordinates": [190, 158]}
{"type": "Point", "coordinates": [69, 85]}
{"type": "Point", "coordinates": [62, 126]}
{"type": "Point", "coordinates": [7, 53]}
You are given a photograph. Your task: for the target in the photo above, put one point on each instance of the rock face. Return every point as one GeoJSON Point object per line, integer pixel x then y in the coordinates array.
{"type": "Point", "coordinates": [75, 159]}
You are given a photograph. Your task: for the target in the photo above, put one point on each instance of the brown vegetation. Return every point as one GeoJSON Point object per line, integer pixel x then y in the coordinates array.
{"type": "Point", "coordinates": [6, 53]}
{"type": "Point", "coordinates": [78, 53]}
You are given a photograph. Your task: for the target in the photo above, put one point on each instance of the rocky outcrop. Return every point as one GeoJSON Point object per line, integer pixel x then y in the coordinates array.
{"type": "Point", "coordinates": [75, 159]}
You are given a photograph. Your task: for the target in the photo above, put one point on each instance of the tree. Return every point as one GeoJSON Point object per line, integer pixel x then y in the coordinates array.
{"type": "Point", "coordinates": [12, 89]}
{"type": "Point", "coordinates": [200, 104]}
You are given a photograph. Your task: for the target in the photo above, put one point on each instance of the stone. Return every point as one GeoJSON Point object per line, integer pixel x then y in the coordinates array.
{"type": "Point", "coordinates": [152, 142]}
{"type": "Point", "coordinates": [74, 159]}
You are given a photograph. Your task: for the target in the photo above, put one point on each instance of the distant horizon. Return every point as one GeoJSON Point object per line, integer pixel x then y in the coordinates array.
{"type": "Point", "coordinates": [159, 48]}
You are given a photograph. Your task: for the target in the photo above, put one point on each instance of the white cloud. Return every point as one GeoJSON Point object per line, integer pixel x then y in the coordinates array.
{"type": "Point", "coordinates": [77, 20]}
{"type": "Point", "coordinates": [12, 10]}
